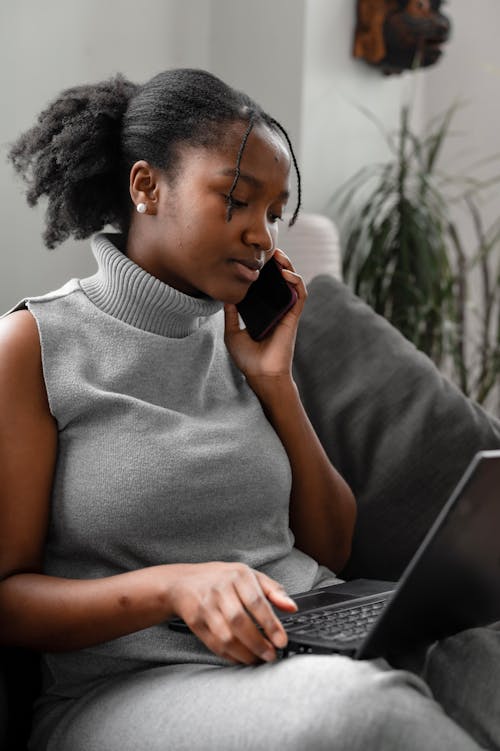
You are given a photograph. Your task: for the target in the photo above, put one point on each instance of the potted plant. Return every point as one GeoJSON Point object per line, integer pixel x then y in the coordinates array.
{"type": "Point", "coordinates": [403, 254]}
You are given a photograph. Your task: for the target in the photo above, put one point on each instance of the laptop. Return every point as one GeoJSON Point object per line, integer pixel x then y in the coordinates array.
{"type": "Point", "coordinates": [451, 584]}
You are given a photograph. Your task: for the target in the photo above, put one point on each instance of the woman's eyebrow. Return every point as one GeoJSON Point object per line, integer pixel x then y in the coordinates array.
{"type": "Point", "coordinates": [251, 179]}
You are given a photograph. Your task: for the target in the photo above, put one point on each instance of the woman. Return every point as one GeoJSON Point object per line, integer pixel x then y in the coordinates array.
{"type": "Point", "coordinates": [156, 458]}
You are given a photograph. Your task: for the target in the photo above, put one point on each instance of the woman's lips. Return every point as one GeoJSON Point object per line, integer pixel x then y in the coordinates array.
{"type": "Point", "coordinates": [247, 271]}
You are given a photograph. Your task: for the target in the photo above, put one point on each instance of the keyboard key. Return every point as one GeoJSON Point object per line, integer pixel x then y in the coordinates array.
{"type": "Point", "coordinates": [345, 624]}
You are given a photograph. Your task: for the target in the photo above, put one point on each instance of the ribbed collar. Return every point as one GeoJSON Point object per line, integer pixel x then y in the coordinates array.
{"type": "Point", "coordinates": [126, 291]}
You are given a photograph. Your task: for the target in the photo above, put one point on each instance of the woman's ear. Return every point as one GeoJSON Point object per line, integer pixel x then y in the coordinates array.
{"type": "Point", "coordinates": [144, 187]}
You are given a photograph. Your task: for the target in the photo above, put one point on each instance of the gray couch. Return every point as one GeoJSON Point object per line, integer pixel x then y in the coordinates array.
{"type": "Point", "coordinates": [398, 431]}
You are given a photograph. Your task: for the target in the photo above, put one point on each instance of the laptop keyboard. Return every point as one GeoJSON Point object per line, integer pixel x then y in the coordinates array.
{"type": "Point", "coordinates": [344, 625]}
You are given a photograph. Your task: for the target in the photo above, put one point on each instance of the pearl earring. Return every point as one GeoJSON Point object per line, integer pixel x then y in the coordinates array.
{"type": "Point", "coordinates": [141, 208]}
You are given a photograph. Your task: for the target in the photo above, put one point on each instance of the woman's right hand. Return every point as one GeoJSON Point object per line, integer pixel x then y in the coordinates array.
{"type": "Point", "coordinates": [222, 603]}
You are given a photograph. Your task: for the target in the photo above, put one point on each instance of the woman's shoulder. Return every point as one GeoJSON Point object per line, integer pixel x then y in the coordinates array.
{"type": "Point", "coordinates": [18, 335]}
{"type": "Point", "coordinates": [19, 326]}
{"type": "Point", "coordinates": [20, 358]}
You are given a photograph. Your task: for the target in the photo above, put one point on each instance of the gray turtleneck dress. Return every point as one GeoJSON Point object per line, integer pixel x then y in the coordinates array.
{"type": "Point", "coordinates": [164, 453]}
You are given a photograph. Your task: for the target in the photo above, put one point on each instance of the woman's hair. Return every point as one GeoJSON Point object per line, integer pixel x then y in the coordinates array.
{"type": "Point", "coordinates": [80, 152]}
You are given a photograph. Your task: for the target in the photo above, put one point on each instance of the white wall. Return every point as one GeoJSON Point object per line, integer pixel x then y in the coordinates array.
{"type": "Point", "coordinates": [258, 46]}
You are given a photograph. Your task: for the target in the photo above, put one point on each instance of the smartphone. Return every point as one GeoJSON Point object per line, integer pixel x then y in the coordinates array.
{"type": "Point", "coordinates": [267, 301]}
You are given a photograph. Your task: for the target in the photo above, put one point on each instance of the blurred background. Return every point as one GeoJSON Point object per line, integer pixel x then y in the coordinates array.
{"type": "Point", "coordinates": [293, 56]}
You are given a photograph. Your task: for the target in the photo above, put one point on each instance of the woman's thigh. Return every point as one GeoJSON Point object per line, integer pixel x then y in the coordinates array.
{"type": "Point", "coordinates": [306, 702]}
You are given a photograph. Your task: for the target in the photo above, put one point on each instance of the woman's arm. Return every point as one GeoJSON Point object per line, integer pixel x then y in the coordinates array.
{"type": "Point", "coordinates": [36, 610]}
{"type": "Point", "coordinates": [218, 600]}
{"type": "Point", "coordinates": [322, 506]}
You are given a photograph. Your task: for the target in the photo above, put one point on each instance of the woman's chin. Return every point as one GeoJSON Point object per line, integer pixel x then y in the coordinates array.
{"type": "Point", "coordinates": [232, 296]}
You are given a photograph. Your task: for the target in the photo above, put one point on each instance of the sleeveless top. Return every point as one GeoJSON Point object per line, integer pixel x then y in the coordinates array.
{"type": "Point", "coordinates": [164, 453]}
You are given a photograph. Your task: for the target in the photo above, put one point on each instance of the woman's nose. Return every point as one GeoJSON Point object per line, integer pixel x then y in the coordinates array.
{"type": "Point", "coordinates": [260, 236]}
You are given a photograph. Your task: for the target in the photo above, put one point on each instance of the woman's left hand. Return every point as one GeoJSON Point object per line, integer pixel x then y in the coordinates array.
{"type": "Point", "coordinates": [272, 356]}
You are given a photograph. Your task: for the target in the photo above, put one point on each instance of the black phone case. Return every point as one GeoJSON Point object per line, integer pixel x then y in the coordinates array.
{"type": "Point", "coordinates": [267, 301]}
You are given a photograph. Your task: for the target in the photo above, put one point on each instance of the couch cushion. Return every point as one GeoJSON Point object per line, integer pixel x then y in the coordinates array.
{"type": "Point", "coordinates": [398, 431]}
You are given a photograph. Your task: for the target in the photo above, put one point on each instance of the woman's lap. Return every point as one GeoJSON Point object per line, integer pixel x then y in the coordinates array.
{"type": "Point", "coordinates": [305, 702]}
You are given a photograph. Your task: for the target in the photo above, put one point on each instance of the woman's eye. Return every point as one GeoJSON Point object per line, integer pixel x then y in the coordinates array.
{"type": "Point", "coordinates": [234, 202]}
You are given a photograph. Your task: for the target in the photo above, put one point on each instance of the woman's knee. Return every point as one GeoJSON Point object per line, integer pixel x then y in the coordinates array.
{"type": "Point", "coordinates": [463, 673]}
{"type": "Point", "coordinates": [382, 710]}
{"type": "Point", "coordinates": [386, 710]}
{"type": "Point", "coordinates": [360, 705]}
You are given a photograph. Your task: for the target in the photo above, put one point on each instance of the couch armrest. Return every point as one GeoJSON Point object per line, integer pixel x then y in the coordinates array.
{"type": "Point", "coordinates": [313, 246]}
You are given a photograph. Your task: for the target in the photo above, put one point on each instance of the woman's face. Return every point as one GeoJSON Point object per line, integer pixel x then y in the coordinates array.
{"type": "Point", "coordinates": [185, 239]}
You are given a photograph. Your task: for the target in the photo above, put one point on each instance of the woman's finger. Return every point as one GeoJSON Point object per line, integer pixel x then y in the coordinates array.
{"type": "Point", "coordinates": [231, 319]}
{"type": "Point", "coordinates": [290, 275]}
{"type": "Point", "coordinates": [300, 288]}
{"type": "Point", "coordinates": [256, 603]}
{"type": "Point", "coordinates": [275, 592]}
{"type": "Point", "coordinates": [283, 259]}
{"type": "Point", "coordinates": [241, 626]}
{"type": "Point", "coordinates": [216, 632]}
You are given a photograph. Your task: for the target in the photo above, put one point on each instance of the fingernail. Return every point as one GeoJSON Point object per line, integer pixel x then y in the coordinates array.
{"type": "Point", "coordinates": [269, 655]}
{"type": "Point", "coordinates": [280, 640]}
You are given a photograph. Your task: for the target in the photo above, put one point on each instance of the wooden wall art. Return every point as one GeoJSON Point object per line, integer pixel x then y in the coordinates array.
{"type": "Point", "coordinates": [397, 35]}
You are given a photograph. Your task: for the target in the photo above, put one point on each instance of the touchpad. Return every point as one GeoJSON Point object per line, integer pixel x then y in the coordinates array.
{"type": "Point", "coordinates": [318, 599]}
